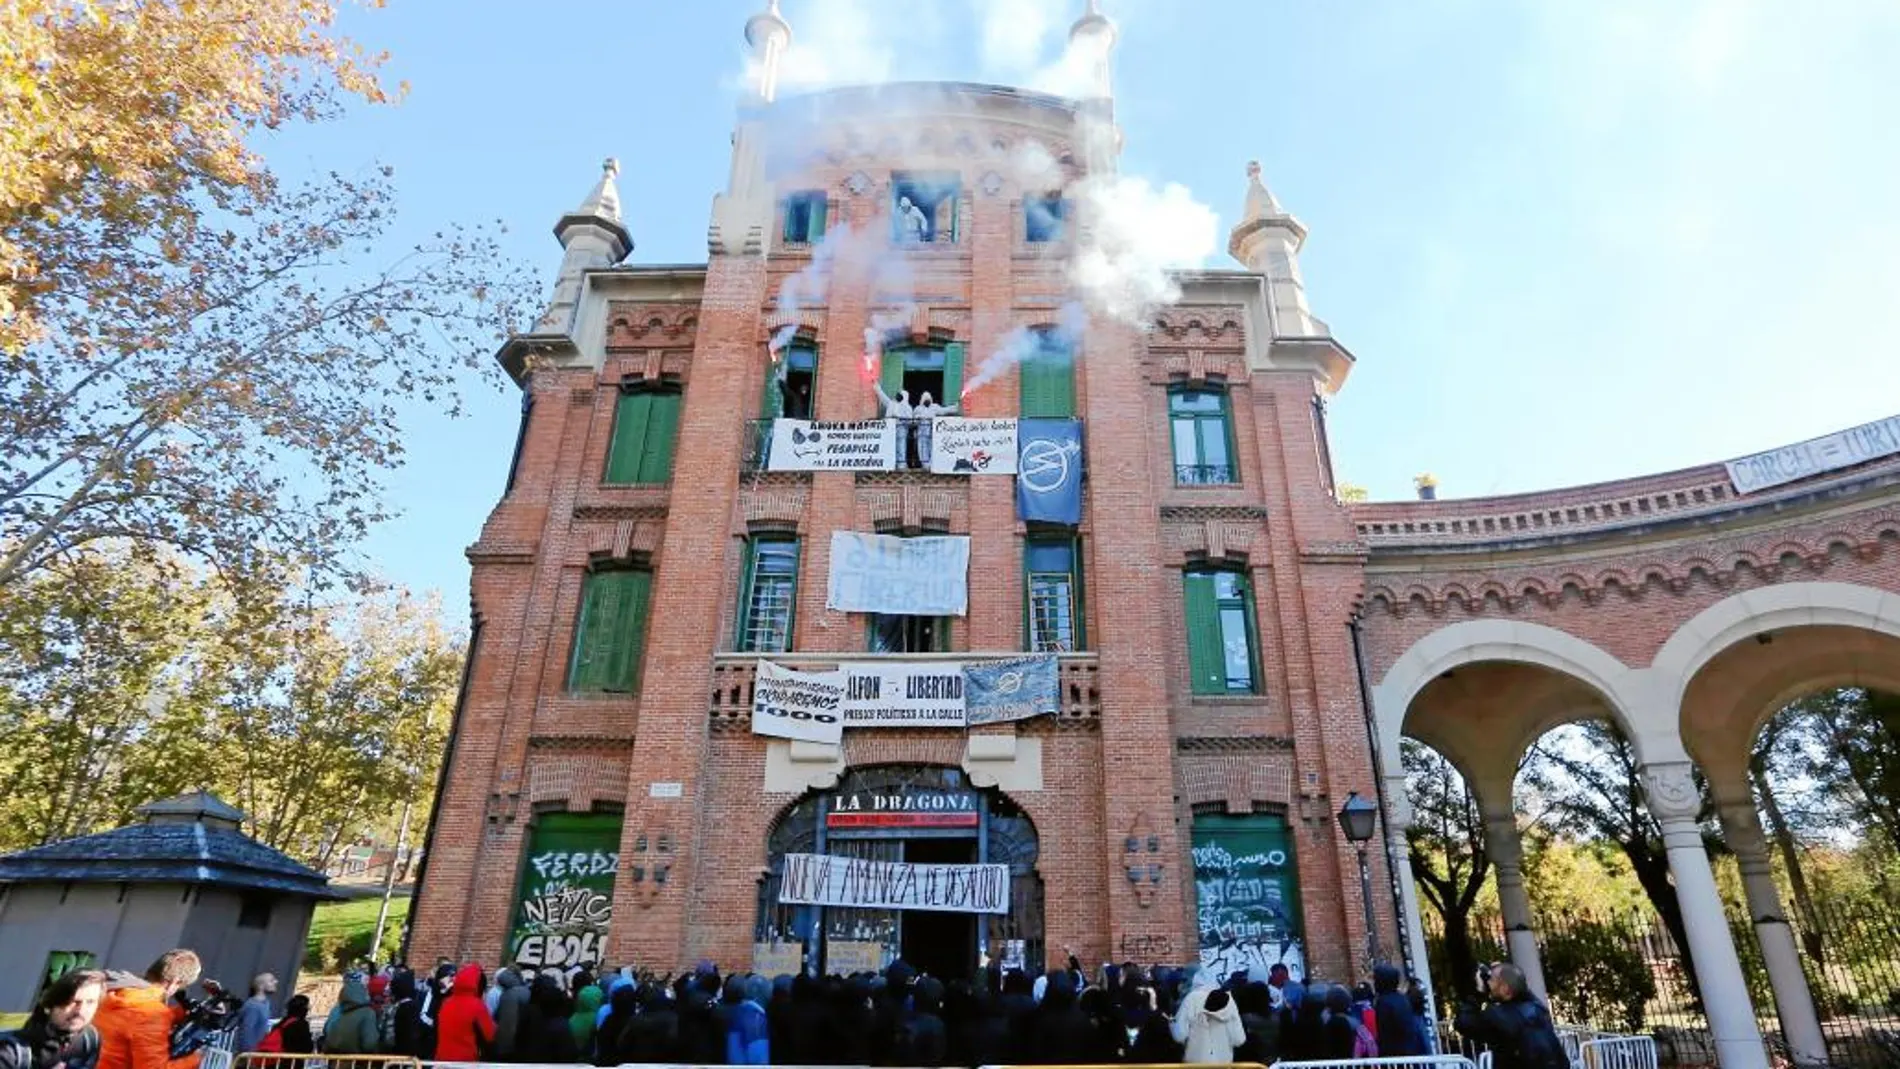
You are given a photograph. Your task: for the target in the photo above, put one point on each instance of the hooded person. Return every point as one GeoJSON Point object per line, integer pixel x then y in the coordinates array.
{"type": "Point", "coordinates": [1399, 1031]}
{"type": "Point", "coordinates": [1213, 1028]}
{"type": "Point", "coordinates": [59, 1032]}
{"type": "Point", "coordinates": [623, 1003]}
{"type": "Point", "coordinates": [464, 1031]}
{"type": "Point", "coordinates": [547, 1034]}
{"type": "Point", "coordinates": [652, 1035]}
{"type": "Point", "coordinates": [401, 1023]}
{"type": "Point", "coordinates": [1061, 1031]}
{"type": "Point", "coordinates": [136, 1015]}
{"type": "Point", "coordinates": [352, 1025]}
{"type": "Point", "coordinates": [509, 1004]}
{"type": "Point", "coordinates": [609, 985]}
{"type": "Point", "coordinates": [586, 1018]}
{"type": "Point", "coordinates": [748, 1030]}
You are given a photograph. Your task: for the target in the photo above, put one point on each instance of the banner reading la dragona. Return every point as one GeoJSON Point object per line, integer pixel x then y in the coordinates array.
{"type": "Point", "coordinates": [825, 880]}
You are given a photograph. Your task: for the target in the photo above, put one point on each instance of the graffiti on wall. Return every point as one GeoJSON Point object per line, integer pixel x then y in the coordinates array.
{"type": "Point", "coordinates": [1246, 894]}
{"type": "Point", "coordinates": [566, 903]}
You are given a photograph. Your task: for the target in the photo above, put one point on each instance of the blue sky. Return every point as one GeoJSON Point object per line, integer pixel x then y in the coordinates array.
{"type": "Point", "coordinates": [1567, 241]}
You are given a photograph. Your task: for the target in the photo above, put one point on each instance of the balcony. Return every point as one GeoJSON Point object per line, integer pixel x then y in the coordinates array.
{"type": "Point", "coordinates": [757, 448]}
{"type": "Point", "coordinates": [1079, 699]}
{"type": "Point", "coordinates": [1204, 475]}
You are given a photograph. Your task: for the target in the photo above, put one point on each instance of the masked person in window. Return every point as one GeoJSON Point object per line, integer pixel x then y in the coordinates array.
{"type": "Point", "coordinates": [912, 223]}
{"type": "Point", "coordinates": [1512, 1023]}
{"type": "Point", "coordinates": [59, 1033]}
{"type": "Point", "coordinates": [899, 408]}
{"type": "Point", "coordinates": [926, 411]}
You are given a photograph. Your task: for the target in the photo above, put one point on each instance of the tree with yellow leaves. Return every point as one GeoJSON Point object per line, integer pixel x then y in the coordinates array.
{"type": "Point", "coordinates": [194, 356]}
{"type": "Point", "coordinates": [133, 114]}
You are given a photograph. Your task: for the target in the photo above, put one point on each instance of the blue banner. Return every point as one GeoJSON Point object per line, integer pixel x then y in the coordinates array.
{"type": "Point", "coordinates": [1049, 471]}
{"type": "Point", "coordinates": [999, 691]}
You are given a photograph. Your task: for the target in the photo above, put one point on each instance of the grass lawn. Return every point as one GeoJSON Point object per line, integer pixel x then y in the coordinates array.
{"type": "Point", "coordinates": [345, 928]}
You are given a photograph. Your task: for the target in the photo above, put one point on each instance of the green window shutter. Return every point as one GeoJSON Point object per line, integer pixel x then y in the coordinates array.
{"type": "Point", "coordinates": [772, 404]}
{"type": "Point", "coordinates": [746, 578]}
{"type": "Point", "coordinates": [629, 638]}
{"type": "Point", "coordinates": [594, 632]}
{"type": "Point", "coordinates": [1207, 670]}
{"type": "Point", "coordinates": [816, 228]}
{"type": "Point", "coordinates": [656, 458]}
{"type": "Point", "coordinates": [1062, 386]}
{"type": "Point", "coordinates": [1048, 384]}
{"type": "Point", "coordinates": [629, 437]}
{"type": "Point", "coordinates": [952, 374]}
{"type": "Point", "coordinates": [891, 371]}
{"type": "Point", "coordinates": [1081, 601]}
{"type": "Point", "coordinates": [951, 201]}
{"type": "Point", "coordinates": [785, 222]}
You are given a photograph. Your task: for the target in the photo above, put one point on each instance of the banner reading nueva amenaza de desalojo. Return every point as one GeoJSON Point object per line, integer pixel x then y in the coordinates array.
{"type": "Point", "coordinates": [824, 880]}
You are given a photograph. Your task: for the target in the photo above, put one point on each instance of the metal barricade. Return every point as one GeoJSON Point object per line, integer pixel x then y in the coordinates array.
{"type": "Point", "coordinates": [1618, 1052]}
{"type": "Point", "coordinates": [214, 1057]}
{"type": "Point", "coordinates": [262, 1060]}
{"type": "Point", "coordinates": [1484, 1059]}
{"type": "Point", "coordinates": [1423, 1061]}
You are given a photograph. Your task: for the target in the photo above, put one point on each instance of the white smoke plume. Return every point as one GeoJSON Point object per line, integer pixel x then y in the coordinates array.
{"type": "Point", "coordinates": [1021, 343]}
{"type": "Point", "coordinates": [1137, 232]}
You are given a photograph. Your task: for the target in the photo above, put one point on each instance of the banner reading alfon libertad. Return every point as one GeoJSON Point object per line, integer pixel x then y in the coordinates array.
{"type": "Point", "coordinates": [903, 694]}
{"type": "Point", "coordinates": [899, 576]}
{"type": "Point", "coordinates": [824, 880]}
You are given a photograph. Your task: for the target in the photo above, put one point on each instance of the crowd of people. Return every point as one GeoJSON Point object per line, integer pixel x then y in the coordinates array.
{"type": "Point", "coordinates": [93, 1020]}
{"type": "Point", "coordinates": [895, 1018]}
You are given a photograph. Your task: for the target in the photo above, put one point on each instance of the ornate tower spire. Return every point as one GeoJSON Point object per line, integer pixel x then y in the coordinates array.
{"type": "Point", "coordinates": [1093, 39]}
{"type": "Point", "coordinates": [767, 34]}
{"type": "Point", "coordinates": [591, 236]}
{"type": "Point", "coordinates": [1267, 240]}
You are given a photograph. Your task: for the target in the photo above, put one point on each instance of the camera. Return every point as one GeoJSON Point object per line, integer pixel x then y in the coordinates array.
{"type": "Point", "coordinates": [205, 1019]}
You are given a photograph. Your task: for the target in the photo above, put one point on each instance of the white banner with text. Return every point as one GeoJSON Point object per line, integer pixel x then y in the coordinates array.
{"type": "Point", "coordinates": [903, 694]}
{"type": "Point", "coordinates": [899, 576]}
{"type": "Point", "coordinates": [804, 445]}
{"type": "Point", "coordinates": [963, 446]}
{"type": "Point", "coordinates": [788, 704]}
{"type": "Point", "coordinates": [824, 880]}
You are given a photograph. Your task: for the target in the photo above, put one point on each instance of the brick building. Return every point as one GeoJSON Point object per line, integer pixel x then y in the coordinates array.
{"type": "Point", "coordinates": [1238, 650]}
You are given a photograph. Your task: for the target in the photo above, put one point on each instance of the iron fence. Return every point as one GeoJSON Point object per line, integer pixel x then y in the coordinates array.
{"type": "Point", "coordinates": [1624, 973]}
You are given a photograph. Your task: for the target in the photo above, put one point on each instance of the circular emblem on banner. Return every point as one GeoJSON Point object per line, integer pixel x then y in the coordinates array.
{"type": "Point", "coordinates": [1043, 465]}
{"type": "Point", "coordinates": [1010, 682]}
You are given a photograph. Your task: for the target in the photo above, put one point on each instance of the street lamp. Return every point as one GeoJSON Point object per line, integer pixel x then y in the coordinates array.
{"type": "Point", "coordinates": [1358, 819]}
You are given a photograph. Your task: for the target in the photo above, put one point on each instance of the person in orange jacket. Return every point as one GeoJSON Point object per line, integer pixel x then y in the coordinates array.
{"type": "Point", "coordinates": [136, 1016]}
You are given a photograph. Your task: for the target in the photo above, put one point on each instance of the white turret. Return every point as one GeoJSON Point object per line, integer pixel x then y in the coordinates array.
{"type": "Point", "coordinates": [1268, 240]}
{"type": "Point", "coordinates": [592, 236]}
{"type": "Point", "coordinates": [1092, 42]}
{"type": "Point", "coordinates": [767, 34]}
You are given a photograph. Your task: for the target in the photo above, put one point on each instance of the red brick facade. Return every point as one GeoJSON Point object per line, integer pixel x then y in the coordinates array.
{"type": "Point", "coordinates": [1137, 752]}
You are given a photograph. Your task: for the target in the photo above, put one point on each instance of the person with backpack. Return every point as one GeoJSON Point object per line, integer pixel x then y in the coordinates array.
{"type": "Point", "coordinates": [291, 1035]}
{"type": "Point", "coordinates": [1513, 1024]}
{"type": "Point", "coordinates": [59, 1033]}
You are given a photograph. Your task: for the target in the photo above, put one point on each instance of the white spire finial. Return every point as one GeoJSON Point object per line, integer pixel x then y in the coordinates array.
{"type": "Point", "coordinates": [1260, 203]}
{"type": "Point", "coordinates": [767, 34]}
{"type": "Point", "coordinates": [604, 201]}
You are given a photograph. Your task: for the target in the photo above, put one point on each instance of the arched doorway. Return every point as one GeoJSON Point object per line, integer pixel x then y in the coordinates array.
{"type": "Point", "coordinates": [915, 814]}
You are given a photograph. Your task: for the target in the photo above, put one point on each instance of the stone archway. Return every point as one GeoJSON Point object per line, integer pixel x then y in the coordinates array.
{"type": "Point", "coordinates": [929, 814]}
{"type": "Point", "coordinates": [1733, 667]}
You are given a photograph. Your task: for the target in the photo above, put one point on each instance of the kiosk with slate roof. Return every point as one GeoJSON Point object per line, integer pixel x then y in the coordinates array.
{"type": "Point", "coordinates": [184, 877]}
